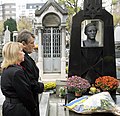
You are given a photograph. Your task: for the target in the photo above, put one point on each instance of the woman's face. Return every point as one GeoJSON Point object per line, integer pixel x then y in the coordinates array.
{"type": "Point", "coordinates": [91, 32]}
{"type": "Point", "coordinates": [21, 55]}
{"type": "Point", "coordinates": [28, 47]}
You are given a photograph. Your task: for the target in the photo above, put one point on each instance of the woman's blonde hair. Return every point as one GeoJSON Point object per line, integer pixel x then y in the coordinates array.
{"type": "Point", "coordinates": [10, 53]}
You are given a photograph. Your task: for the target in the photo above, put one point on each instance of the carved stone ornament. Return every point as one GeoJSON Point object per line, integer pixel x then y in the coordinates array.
{"type": "Point", "coordinates": [92, 8]}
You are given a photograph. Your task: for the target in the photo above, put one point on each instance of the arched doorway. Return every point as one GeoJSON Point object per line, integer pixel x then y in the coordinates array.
{"type": "Point", "coordinates": [51, 40]}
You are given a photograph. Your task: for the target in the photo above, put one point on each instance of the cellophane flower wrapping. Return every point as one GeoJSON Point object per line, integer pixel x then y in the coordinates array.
{"type": "Point", "coordinates": [100, 102]}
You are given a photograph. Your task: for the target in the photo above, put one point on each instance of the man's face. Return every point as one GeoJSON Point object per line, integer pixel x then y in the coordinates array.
{"type": "Point", "coordinates": [91, 32]}
{"type": "Point", "coordinates": [28, 47]}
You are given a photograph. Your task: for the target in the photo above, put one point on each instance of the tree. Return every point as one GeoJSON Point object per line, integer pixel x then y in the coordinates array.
{"type": "Point", "coordinates": [114, 2]}
{"type": "Point", "coordinates": [1, 26]}
{"type": "Point", "coordinates": [12, 26]}
{"type": "Point", "coordinates": [116, 19]}
{"type": "Point", "coordinates": [115, 11]}
{"type": "Point", "coordinates": [72, 7]}
{"type": "Point", "coordinates": [24, 23]}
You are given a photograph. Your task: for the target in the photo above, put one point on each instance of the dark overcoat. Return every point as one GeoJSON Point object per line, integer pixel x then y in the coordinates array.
{"type": "Point", "coordinates": [32, 72]}
{"type": "Point", "coordinates": [16, 88]}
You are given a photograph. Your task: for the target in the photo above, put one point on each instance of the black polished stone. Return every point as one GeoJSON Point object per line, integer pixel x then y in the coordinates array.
{"type": "Point", "coordinates": [92, 62]}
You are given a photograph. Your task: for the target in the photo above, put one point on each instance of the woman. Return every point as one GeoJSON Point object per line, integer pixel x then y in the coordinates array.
{"type": "Point", "coordinates": [15, 86]}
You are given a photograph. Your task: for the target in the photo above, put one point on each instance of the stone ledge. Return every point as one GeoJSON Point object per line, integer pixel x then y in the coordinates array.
{"type": "Point", "coordinates": [44, 104]}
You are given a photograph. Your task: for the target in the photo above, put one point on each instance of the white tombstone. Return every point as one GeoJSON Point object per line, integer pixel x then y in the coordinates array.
{"type": "Point", "coordinates": [117, 42]}
{"type": "Point", "coordinates": [117, 33]}
{"type": "Point", "coordinates": [15, 34]}
{"type": "Point", "coordinates": [6, 35]}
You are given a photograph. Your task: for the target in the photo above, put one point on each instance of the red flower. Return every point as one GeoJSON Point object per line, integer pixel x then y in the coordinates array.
{"type": "Point", "coordinates": [107, 83]}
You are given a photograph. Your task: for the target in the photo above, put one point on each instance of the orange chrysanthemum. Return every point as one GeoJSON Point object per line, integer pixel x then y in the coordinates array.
{"type": "Point", "coordinates": [107, 83]}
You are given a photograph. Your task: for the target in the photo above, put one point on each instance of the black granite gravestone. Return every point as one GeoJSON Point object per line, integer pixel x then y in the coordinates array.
{"type": "Point", "coordinates": [92, 62]}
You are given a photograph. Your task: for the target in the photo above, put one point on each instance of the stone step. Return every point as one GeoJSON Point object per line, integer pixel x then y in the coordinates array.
{"type": "Point", "coordinates": [62, 111]}
{"type": "Point", "coordinates": [53, 109]}
{"type": "Point", "coordinates": [44, 104]}
{"type": "Point", "coordinates": [57, 109]}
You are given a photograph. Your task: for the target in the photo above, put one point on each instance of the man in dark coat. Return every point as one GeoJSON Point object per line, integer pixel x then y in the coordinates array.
{"type": "Point", "coordinates": [31, 70]}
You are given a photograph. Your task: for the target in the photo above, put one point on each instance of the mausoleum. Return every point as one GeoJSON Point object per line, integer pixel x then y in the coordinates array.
{"type": "Point", "coordinates": [50, 23]}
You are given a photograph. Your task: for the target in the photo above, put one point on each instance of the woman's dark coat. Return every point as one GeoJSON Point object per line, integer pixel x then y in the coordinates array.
{"type": "Point", "coordinates": [32, 72]}
{"type": "Point", "coordinates": [17, 90]}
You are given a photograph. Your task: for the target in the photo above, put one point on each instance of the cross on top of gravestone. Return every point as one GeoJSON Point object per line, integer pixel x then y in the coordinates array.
{"type": "Point", "coordinates": [92, 8]}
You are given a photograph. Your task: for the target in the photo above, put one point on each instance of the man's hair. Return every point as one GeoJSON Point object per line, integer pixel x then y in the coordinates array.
{"type": "Point", "coordinates": [25, 35]}
{"type": "Point", "coordinates": [89, 24]}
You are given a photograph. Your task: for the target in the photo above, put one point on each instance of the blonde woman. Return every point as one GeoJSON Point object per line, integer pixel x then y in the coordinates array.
{"type": "Point", "coordinates": [15, 86]}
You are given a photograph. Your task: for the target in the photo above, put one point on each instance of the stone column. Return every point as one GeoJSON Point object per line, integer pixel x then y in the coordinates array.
{"type": "Point", "coordinates": [63, 58]}
{"type": "Point", "coordinates": [40, 55]}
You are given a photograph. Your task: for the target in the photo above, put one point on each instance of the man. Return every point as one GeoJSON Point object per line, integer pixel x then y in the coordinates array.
{"type": "Point", "coordinates": [31, 70]}
{"type": "Point", "coordinates": [90, 31]}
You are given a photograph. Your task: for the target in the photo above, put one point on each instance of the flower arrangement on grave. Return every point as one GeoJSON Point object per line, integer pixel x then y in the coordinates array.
{"type": "Point", "coordinates": [62, 91]}
{"type": "Point", "coordinates": [77, 84]}
{"type": "Point", "coordinates": [107, 83]}
{"type": "Point", "coordinates": [49, 85]}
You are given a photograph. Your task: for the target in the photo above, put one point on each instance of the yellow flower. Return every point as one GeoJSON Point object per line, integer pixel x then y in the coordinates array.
{"type": "Point", "coordinates": [49, 85]}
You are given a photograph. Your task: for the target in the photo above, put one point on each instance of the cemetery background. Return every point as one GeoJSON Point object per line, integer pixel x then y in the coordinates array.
{"type": "Point", "coordinates": [67, 54]}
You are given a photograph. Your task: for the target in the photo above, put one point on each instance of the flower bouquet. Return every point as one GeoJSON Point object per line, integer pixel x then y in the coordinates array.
{"type": "Point", "coordinates": [77, 84]}
{"type": "Point", "coordinates": [62, 92]}
{"type": "Point", "coordinates": [107, 83]}
{"type": "Point", "coordinates": [49, 86]}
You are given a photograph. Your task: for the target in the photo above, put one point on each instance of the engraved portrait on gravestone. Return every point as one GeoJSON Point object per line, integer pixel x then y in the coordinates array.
{"type": "Point", "coordinates": [90, 31]}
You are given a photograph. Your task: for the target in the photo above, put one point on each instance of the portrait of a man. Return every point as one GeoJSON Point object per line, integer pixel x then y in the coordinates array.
{"type": "Point", "coordinates": [90, 31]}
